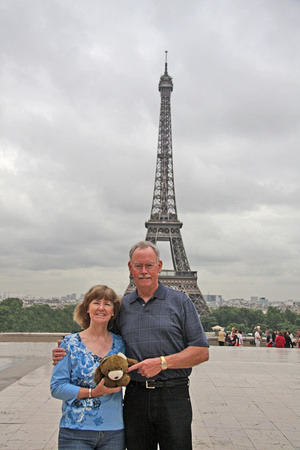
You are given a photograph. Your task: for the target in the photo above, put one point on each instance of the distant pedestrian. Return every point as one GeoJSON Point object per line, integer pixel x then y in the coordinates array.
{"type": "Point", "coordinates": [274, 334]}
{"type": "Point", "coordinates": [257, 336]}
{"type": "Point", "coordinates": [240, 336]}
{"type": "Point", "coordinates": [280, 341]}
{"type": "Point", "coordinates": [227, 339]}
{"type": "Point", "coordinates": [292, 340]}
{"type": "Point", "coordinates": [269, 339]}
{"type": "Point", "coordinates": [287, 338]}
{"type": "Point", "coordinates": [221, 337]}
{"type": "Point", "coordinates": [234, 340]}
{"type": "Point", "coordinates": [297, 340]}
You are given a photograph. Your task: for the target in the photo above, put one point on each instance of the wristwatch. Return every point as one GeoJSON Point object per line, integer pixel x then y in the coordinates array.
{"type": "Point", "coordinates": [163, 363]}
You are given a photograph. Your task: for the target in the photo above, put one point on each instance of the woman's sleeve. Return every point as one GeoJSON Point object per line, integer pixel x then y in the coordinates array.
{"type": "Point", "coordinates": [60, 384]}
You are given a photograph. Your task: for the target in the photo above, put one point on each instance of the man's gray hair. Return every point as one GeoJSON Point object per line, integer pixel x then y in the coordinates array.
{"type": "Point", "coordinates": [142, 245]}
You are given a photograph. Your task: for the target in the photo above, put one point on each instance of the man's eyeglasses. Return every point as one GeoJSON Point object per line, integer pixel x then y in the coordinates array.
{"type": "Point", "coordinates": [148, 266]}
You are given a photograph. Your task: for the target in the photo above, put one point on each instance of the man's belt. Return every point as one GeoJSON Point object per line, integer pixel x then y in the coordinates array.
{"type": "Point", "coordinates": [154, 384]}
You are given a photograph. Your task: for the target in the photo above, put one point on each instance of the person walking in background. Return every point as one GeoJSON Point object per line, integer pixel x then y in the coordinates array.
{"type": "Point", "coordinates": [292, 340]}
{"type": "Point", "coordinates": [92, 416]}
{"type": "Point", "coordinates": [274, 334]}
{"type": "Point", "coordinates": [240, 337]}
{"type": "Point", "coordinates": [221, 337]}
{"type": "Point", "coordinates": [287, 338]}
{"type": "Point", "coordinates": [269, 339]}
{"type": "Point", "coordinates": [227, 339]}
{"type": "Point", "coordinates": [297, 340]}
{"type": "Point", "coordinates": [257, 336]}
{"type": "Point", "coordinates": [280, 341]}
{"type": "Point", "coordinates": [234, 340]}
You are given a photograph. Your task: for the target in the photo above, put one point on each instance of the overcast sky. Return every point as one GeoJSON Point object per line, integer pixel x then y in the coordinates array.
{"type": "Point", "coordinates": [79, 117]}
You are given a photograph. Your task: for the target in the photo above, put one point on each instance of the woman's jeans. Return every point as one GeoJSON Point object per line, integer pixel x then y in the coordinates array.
{"type": "Point", "coordinates": [161, 415]}
{"type": "Point", "coordinates": [69, 439]}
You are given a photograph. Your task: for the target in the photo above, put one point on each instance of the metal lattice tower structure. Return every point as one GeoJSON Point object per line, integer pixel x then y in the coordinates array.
{"type": "Point", "coordinates": [164, 224]}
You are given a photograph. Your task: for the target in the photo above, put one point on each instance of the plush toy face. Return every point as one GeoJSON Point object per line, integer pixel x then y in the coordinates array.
{"type": "Point", "coordinates": [113, 369]}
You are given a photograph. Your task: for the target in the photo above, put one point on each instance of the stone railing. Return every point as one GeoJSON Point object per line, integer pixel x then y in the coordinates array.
{"type": "Point", "coordinates": [31, 337]}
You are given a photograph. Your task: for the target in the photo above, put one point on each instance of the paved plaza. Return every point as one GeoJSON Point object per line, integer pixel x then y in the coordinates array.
{"type": "Point", "coordinates": [243, 398]}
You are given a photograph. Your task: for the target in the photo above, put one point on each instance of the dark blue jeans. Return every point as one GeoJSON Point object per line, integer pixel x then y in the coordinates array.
{"type": "Point", "coordinates": [158, 416]}
{"type": "Point", "coordinates": [69, 439]}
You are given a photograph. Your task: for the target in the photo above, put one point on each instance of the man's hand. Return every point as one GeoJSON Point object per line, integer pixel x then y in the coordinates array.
{"type": "Point", "coordinates": [147, 368]}
{"type": "Point", "coordinates": [58, 354]}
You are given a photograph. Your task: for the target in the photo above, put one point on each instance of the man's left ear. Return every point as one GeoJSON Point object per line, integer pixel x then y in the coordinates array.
{"type": "Point", "coordinates": [160, 266]}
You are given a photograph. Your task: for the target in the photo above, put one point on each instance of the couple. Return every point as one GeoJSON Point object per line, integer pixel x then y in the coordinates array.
{"type": "Point", "coordinates": [160, 328]}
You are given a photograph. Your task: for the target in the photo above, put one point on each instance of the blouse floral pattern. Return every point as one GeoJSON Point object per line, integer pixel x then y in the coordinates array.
{"type": "Point", "coordinates": [77, 370]}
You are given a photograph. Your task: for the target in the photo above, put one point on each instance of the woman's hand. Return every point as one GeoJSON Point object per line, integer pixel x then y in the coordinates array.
{"type": "Point", "coordinates": [100, 389]}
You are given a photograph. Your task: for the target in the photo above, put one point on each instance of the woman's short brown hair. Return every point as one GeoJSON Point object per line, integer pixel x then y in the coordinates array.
{"type": "Point", "coordinates": [82, 317]}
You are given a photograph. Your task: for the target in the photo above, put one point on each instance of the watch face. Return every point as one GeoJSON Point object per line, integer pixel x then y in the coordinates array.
{"type": "Point", "coordinates": [163, 363]}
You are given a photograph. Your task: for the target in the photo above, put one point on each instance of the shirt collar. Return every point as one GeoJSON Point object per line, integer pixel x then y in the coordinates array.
{"type": "Point", "coordinates": [160, 293]}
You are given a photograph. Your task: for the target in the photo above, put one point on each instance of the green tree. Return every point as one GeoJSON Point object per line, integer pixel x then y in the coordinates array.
{"type": "Point", "coordinates": [273, 317]}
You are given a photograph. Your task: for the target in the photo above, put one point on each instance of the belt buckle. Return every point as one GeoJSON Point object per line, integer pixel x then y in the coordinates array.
{"type": "Point", "coordinates": [147, 384]}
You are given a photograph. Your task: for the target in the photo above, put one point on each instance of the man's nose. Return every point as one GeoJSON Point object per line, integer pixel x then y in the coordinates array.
{"type": "Point", "coordinates": [144, 270]}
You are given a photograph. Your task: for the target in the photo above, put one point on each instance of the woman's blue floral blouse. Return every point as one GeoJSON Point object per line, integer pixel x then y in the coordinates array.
{"type": "Point", "coordinates": [77, 370]}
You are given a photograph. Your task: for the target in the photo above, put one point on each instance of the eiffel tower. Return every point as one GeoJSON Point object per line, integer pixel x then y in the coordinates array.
{"type": "Point", "coordinates": [164, 224]}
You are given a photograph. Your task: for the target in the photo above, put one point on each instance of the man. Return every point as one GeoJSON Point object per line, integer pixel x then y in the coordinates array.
{"type": "Point", "coordinates": [257, 336]}
{"type": "Point", "coordinates": [162, 330]}
{"type": "Point", "coordinates": [221, 337]}
{"type": "Point", "coordinates": [269, 339]}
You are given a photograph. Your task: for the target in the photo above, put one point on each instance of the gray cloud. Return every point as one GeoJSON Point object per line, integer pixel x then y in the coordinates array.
{"type": "Point", "coordinates": [78, 135]}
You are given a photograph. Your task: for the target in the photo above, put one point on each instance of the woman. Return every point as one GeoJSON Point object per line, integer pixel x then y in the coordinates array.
{"type": "Point", "coordinates": [91, 414]}
{"type": "Point", "coordinates": [234, 338]}
{"type": "Point", "coordinates": [280, 341]}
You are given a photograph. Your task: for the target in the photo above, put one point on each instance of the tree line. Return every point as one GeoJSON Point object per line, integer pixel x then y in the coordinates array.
{"type": "Point", "coordinates": [246, 319]}
{"type": "Point", "coordinates": [41, 318]}
{"type": "Point", "coordinates": [36, 319]}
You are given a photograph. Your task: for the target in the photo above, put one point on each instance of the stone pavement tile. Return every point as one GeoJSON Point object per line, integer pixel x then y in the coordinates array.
{"type": "Point", "coordinates": [244, 443]}
{"type": "Point", "coordinates": [285, 426]}
{"type": "Point", "coordinates": [240, 439]}
{"type": "Point", "coordinates": [211, 422]}
{"type": "Point", "coordinates": [268, 439]}
{"type": "Point", "coordinates": [202, 442]}
{"type": "Point", "coordinates": [222, 442]}
{"type": "Point", "coordinates": [49, 412]}
{"type": "Point", "coordinates": [7, 430]}
{"type": "Point", "coordinates": [230, 423]}
{"type": "Point", "coordinates": [52, 443]}
{"type": "Point", "coordinates": [32, 435]}
{"type": "Point", "coordinates": [247, 423]}
{"type": "Point", "coordinates": [293, 437]}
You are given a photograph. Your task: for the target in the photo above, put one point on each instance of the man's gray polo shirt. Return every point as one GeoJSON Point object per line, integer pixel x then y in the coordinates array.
{"type": "Point", "coordinates": [167, 324]}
